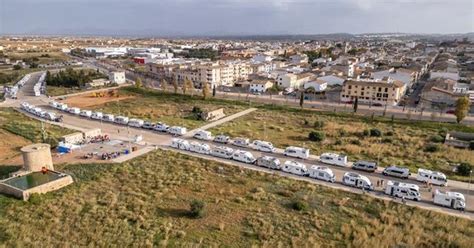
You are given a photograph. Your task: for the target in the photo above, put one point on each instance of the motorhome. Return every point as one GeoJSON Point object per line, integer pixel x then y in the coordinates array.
{"type": "Point", "coordinates": [86, 113]}
{"type": "Point", "coordinates": [403, 190]}
{"type": "Point", "coordinates": [75, 111]}
{"type": "Point", "coordinates": [24, 105]}
{"type": "Point", "coordinates": [135, 123]}
{"type": "Point", "coordinates": [294, 167]}
{"type": "Point", "coordinates": [269, 162]}
{"type": "Point", "coordinates": [176, 130]}
{"type": "Point", "coordinates": [161, 127]}
{"type": "Point", "coordinates": [199, 148]}
{"type": "Point", "coordinates": [365, 166]}
{"type": "Point", "coordinates": [263, 146]}
{"type": "Point", "coordinates": [452, 200]}
{"type": "Point", "coordinates": [357, 180]}
{"type": "Point", "coordinates": [222, 139]}
{"type": "Point", "coordinates": [36, 111]}
{"type": "Point", "coordinates": [62, 106]}
{"type": "Point", "coordinates": [222, 152]}
{"type": "Point", "coordinates": [432, 177]}
{"type": "Point", "coordinates": [296, 152]}
{"type": "Point", "coordinates": [322, 173]}
{"type": "Point", "coordinates": [148, 125]}
{"type": "Point", "coordinates": [244, 156]}
{"type": "Point", "coordinates": [203, 135]}
{"type": "Point", "coordinates": [396, 171]}
{"type": "Point", "coordinates": [53, 104]}
{"type": "Point", "coordinates": [121, 120]}
{"type": "Point", "coordinates": [180, 144]}
{"type": "Point", "coordinates": [333, 159]}
{"type": "Point", "coordinates": [241, 142]}
{"type": "Point", "coordinates": [108, 118]}
{"type": "Point", "coordinates": [50, 116]}
{"type": "Point", "coordinates": [97, 115]}
{"type": "Point", "coordinates": [42, 114]}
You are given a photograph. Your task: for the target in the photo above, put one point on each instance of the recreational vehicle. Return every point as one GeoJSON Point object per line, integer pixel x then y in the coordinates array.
{"type": "Point", "coordinates": [432, 177]}
{"type": "Point", "coordinates": [334, 159]}
{"type": "Point", "coordinates": [62, 106]}
{"type": "Point", "coordinates": [180, 144]}
{"type": "Point", "coordinates": [269, 162]}
{"type": "Point", "coordinates": [222, 139]}
{"type": "Point", "coordinates": [121, 120]}
{"type": "Point", "coordinates": [322, 173]}
{"type": "Point", "coordinates": [97, 115]}
{"type": "Point", "coordinates": [135, 123]}
{"type": "Point", "coordinates": [75, 111]}
{"type": "Point", "coordinates": [161, 127]}
{"type": "Point", "coordinates": [365, 166]}
{"type": "Point", "coordinates": [203, 135]}
{"type": "Point", "coordinates": [395, 171]}
{"type": "Point", "coordinates": [86, 113]}
{"type": "Point", "coordinates": [452, 200]}
{"type": "Point", "coordinates": [37, 111]}
{"type": "Point", "coordinates": [176, 130]}
{"type": "Point", "coordinates": [222, 152]}
{"type": "Point", "coordinates": [244, 156]}
{"type": "Point", "coordinates": [294, 167]}
{"type": "Point", "coordinates": [199, 148]}
{"type": "Point", "coordinates": [53, 104]}
{"type": "Point", "coordinates": [356, 180]}
{"type": "Point", "coordinates": [263, 146]}
{"type": "Point", "coordinates": [50, 116]}
{"type": "Point", "coordinates": [241, 142]}
{"type": "Point", "coordinates": [148, 125]}
{"type": "Point", "coordinates": [108, 118]}
{"type": "Point", "coordinates": [297, 152]}
{"type": "Point", "coordinates": [406, 190]}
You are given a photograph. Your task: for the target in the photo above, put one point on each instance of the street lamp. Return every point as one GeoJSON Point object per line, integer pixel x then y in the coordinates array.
{"type": "Point", "coordinates": [469, 186]}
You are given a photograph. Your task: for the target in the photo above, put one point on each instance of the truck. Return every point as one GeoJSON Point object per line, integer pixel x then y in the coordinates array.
{"type": "Point", "coordinates": [403, 190]}
{"type": "Point", "coordinates": [448, 199]}
{"type": "Point", "coordinates": [431, 177]}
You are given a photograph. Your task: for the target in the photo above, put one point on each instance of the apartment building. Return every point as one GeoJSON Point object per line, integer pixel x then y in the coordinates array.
{"type": "Point", "coordinates": [291, 80]}
{"type": "Point", "coordinates": [373, 91]}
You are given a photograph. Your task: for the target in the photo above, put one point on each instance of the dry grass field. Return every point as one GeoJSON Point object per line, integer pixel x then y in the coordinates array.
{"type": "Point", "coordinates": [145, 202]}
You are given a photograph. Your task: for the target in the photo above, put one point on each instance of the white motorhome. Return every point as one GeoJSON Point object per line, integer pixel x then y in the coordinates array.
{"type": "Point", "coordinates": [406, 190]}
{"type": "Point", "coordinates": [74, 110]}
{"type": "Point", "coordinates": [180, 144]}
{"type": "Point", "coordinates": [222, 152]}
{"type": "Point", "coordinates": [269, 162]}
{"type": "Point", "coordinates": [322, 173]}
{"type": "Point", "coordinates": [244, 156]}
{"type": "Point", "coordinates": [242, 142]}
{"type": "Point", "coordinates": [263, 146]}
{"type": "Point", "coordinates": [108, 118]}
{"type": "Point", "coordinates": [452, 200]}
{"type": "Point", "coordinates": [62, 106]}
{"type": "Point", "coordinates": [121, 120]}
{"type": "Point", "coordinates": [294, 167]}
{"type": "Point", "coordinates": [200, 148]}
{"type": "Point", "coordinates": [135, 123]}
{"type": "Point", "coordinates": [148, 125]}
{"type": "Point", "coordinates": [36, 111]}
{"type": "Point", "coordinates": [296, 152]}
{"type": "Point", "coordinates": [86, 113]}
{"type": "Point", "coordinates": [222, 139]}
{"type": "Point", "coordinates": [333, 159]}
{"type": "Point", "coordinates": [161, 127]}
{"type": "Point", "coordinates": [176, 130]}
{"type": "Point", "coordinates": [54, 104]}
{"type": "Point", "coordinates": [432, 177]}
{"type": "Point", "coordinates": [50, 116]}
{"type": "Point", "coordinates": [357, 180]}
{"type": "Point", "coordinates": [203, 135]}
{"type": "Point", "coordinates": [97, 115]}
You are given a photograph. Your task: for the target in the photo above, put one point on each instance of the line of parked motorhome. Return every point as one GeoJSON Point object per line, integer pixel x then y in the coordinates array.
{"type": "Point", "coordinates": [39, 87]}
{"type": "Point", "coordinates": [32, 109]}
{"type": "Point", "coordinates": [13, 91]}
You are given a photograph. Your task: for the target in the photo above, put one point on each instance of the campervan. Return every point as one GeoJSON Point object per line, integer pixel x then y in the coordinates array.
{"type": "Point", "coordinates": [50, 116]}
{"type": "Point", "coordinates": [63, 107]}
{"type": "Point", "coordinates": [24, 105]}
{"type": "Point", "coordinates": [161, 127]}
{"type": "Point", "coordinates": [148, 125]}
{"type": "Point", "coordinates": [334, 159]}
{"type": "Point", "coordinates": [294, 167]}
{"type": "Point", "coordinates": [108, 118]}
{"type": "Point", "coordinates": [203, 135]}
{"type": "Point", "coordinates": [176, 130]}
{"type": "Point", "coordinates": [37, 111]}
{"type": "Point", "coordinates": [53, 104]}
{"type": "Point", "coordinates": [121, 120]}
{"type": "Point", "coordinates": [97, 115]}
{"type": "Point", "coordinates": [244, 156]}
{"type": "Point", "coordinates": [452, 200]}
{"type": "Point", "coordinates": [365, 166]}
{"type": "Point", "coordinates": [432, 177]}
{"type": "Point", "coordinates": [263, 146]}
{"type": "Point", "coordinates": [180, 144]}
{"type": "Point", "coordinates": [75, 111]}
{"type": "Point", "coordinates": [135, 123]}
{"type": "Point", "coordinates": [406, 190]}
{"type": "Point", "coordinates": [297, 152]}
{"type": "Point", "coordinates": [269, 162]}
{"type": "Point", "coordinates": [242, 142]}
{"type": "Point", "coordinates": [222, 152]}
{"type": "Point", "coordinates": [222, 139]}
{"type": "Point", "coordinates": [322, 173]}
{"type": "Point", "coordinates": [199, 148]}
{"type": "Point", "coordinates": [356, 180]}
{"type": "Point", "coordinates": [395, 171]}
{"type": "Point", "coordinates": [86, 113]}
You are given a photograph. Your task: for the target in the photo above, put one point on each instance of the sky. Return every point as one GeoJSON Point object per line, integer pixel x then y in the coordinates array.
{"type": "Point", "coordinates": [234, 17]}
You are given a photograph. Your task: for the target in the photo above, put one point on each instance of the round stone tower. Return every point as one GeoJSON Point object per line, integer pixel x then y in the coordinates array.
{"type": "Point", "coordinates": [37, 156]}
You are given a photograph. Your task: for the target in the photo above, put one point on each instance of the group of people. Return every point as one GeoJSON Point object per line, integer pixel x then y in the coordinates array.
{"type": "Point", "coordinates": [110, 155]}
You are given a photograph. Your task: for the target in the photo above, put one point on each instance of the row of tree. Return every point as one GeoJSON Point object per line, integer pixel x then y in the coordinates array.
{"type": "Point", "coordinates": [72, 78]}
{"type": "Point", "coordinates": [186, 87]}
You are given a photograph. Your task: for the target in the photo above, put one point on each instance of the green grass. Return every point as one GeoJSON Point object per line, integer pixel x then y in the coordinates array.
{"type": "Point", "coordinates": [146, 202]}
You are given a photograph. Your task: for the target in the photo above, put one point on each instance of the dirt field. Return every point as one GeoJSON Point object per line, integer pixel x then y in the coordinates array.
{"type": "Point", "coordinates": [10, 145]}
{"type": "Point", "coordinates": [87, 100]}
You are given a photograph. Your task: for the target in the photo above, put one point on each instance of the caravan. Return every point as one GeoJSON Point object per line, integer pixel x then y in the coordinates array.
{"type": "Point", "coordinates": [222, 152]}
{"type": "Point", "coordinates": [180, 144]}
{"type": "Point", "coordinates": [242, 142]}
{"type": "Point", "coordinates": [296, 152]}
{"type": "Point", "coordinates": [403, 190]}
{"type": "Point", "coordinates": [269, 162]}
{"type": "Point", "coordinates": [294, 167]}
{"type": "Point", "coordinates": [203, 135]}
{"type": "Point", "coordinates": [54, 104]}
{"type": "Point", "coordinates": [222, 139]}
{"type": "Point", "coordinates": [356, 180]}
{"type": "Point", "coordinates": [62, 106]}
{"type": "Point", "coordinates": [121, 120]}
{"type": "Point", "coordinates": [86, 113]}
{"type": "Point", "coordinates": [97, 115]}
{"type": "Point", "coordinates": [135, 123]}
{"type": "Point", "coordinates": [161, 127]}
{"type": "Point", "coordinates": [263, 146]}
{"type": "Point", "coordinates": [322, 173]}
{"type": "Point", "coordinates": [333, 159]}
{"type": "Point", "coordinates": [432, 177]}
{"type": "Point", "coordinates": [200, 148]}
{"type": "Point", "coordinates": [148, 125]}
{"type": "Point", "coordinates": [244, 156]}
{"type": "Point", "coordinates": [176, 130]}
{"type": "Point", "coordinates": [452, 200]}
{"type": "Point", "coordinates": [75, 111]}
{"type": "Point", "coordinates": [108, 118]}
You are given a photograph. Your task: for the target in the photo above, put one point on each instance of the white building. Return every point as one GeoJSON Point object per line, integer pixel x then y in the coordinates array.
{"type": "Point", "coordinates": [117, 77]}
{"type": "Point", "coordinates": [291, 80]}
{"type": "Point", "coordinates": [299, 59]}
{"type": "Point", "coordinates": [318, 85]}
{"type": "Point", "coordinates": [260, 86]}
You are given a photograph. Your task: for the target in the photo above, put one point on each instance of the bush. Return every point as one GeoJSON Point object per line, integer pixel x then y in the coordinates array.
{"type": "Point", "coordinates": [365, 133]}
{"type": "Point", "coordinates": [17, 67]}
{"type": "Point", "coordinates": [374, 132]}
{"type": "Point", "coordinates": [386, 140]}
{"type": "Point", "coordinates": [319, 124]}
{"type": "Point", "coordinates": [197, 209]}
{"type": "Point", "coordinates": [356, 142]}
{"type": "Point", "coordinates": [299, 205]}
{"type": "Point", "coordinates": [389, 133]}
{"type": "Point", "coordinates": [431, 148]}
{"type": "Point", "coordinates": [342, 132]}
{"type": "Point", "coordinates": [471, 145]}
{"type": "Point", "coordinates": [437, 139]}
{"type": "Point", "coordinates": [464, 169]}
{"type": "Point", "coordinates": [338, 142]}
{"type": "Point", "coordinates": [316, 136]}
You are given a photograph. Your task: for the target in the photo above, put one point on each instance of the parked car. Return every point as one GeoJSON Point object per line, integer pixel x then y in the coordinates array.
{"type": "Point", "coordinates": [395, 171]}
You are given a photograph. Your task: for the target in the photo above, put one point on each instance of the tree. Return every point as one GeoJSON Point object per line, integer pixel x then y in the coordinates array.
{"type": "Point", "coordinates": [214, 91]}
{"type": "Point", "coordinates": [187, 85]}
{"type": "Point", "coordinates": [164, 83]}
{"type": "Point", "coordinates": [462, 107]}
{"type": "Point", "coordinates": [138, 83]}
{"type": "Point", "coordinates": [175, 86]}
{"type": "Point", "coordinates": [196, 209]}
{"type": "Point", "coordinates": [301, 99]}
{"type": "Point", "coordinates": [464, 169]}
{"type": "Point", "coordinates": [17, 67]}
{"type": "Point", "coordinates": [205, 91]}
{"type": "Point", "coordinates": [316, 136]}
{"type": "Point", "coordinates": [356, 104]}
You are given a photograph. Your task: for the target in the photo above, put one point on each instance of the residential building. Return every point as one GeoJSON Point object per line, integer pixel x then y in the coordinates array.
{"type": "Point", "coordinates": [386, 92]}
{"type": "Point", "coordinates": [442, 93]}
{"type": "Point", "coordinates": [316, 85]}
{"type": "Point", "coordinates": [260, 86]}
{"type": "Point", "coordinates": [299, 59]}
{"type": "Point", "coordinates": [117, 77]}
{"type": "Point", "coordinates": [291, 80]}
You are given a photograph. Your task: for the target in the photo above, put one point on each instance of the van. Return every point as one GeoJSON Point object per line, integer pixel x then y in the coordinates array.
{"type": "Point", "coordinates": [53, 104]}
{"type": "Point", "coordinates": [322, 173]}
{"type": "Point", "coordinates": [180, 144]}
{"type": "Point", "coordinates": [199, 148]}
{"type": "Point", "coordinates": [108, 118]}
{"type": "Point", "coordinates": [203, 135]}
{"type": "Point", "coordinates": [365, 166]}
{"type": "Point", "coordinates": [75, 111]}
{"type": "Point", "coordinates": [222, 152]}
{"type": "Point", "coordinates": [86, 113]}
{"type": "Point", "coordinates": [121, 120]}
{"type": "Point", "coordinates": [452, 200]}
{"type": "Point", "coordinates": [222, 139]}
{"type": "Point", "coordinates": [432, 177]}
{"type": "Point", "coordinates": [263, 146]}
{"type": "Point", "coordinates": [148, 125]}
{"type": "Point", "coordinates": [403, 190]}
{"type": "Point", "coordinates": [176, 130]}
{"type": "Point", "coordinates": [97, 115]}
{"type": "Point", "coordinates": [62, 106]}
{"type": "Point", "coordinates": [297, 152]}
{"type": "Point", "coordinates": [294, 167]}
{"type": "Point", "coordinates": [395, 171]}
{"type": "Point", "coordinates": [135, 123]}
{"type": "Point", "coordinates": [242, 142]}
{"type": "Point", "coordinates": [244, 156]}
{"type": "Point", "coordinates": [357, 180]}
{"type": "Point", "coordinates": [161, 127]}
{"type": "Point", "coordinates": [333, 159]}
{"type": "Point", "coordinates": [50, 116]}
{"type": "Point", "coordinates": [269, 162]}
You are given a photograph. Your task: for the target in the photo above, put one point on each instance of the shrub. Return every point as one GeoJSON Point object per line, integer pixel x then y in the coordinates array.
{"type": "Point", "coordinates": [197, 209]}
{"type": "Point", "coordinates": [299, 205]}
{"type": "Point", "coordinates": [386, 140]}
{"type": "Point", "coordinates": [305, 122]}
{"type": "Point", "coordinates": [471, 145]}
{"type": "Point", "coordinates": [365, 133]}
{"type": "Point", "coordinates": [464, 169]}
{"type": "Point", "coordinates": [338, 142]}
{"type": "Point", "coordinates": [356, 142]}
{"type": "Point", "coordinates": [316, 136]}
{"type": "Point", "coordinates": [431, 148]}
{"type": "Point", "coordinates": [319, 124]}
{"type": "Point", "coordinates": [374, 132]}
{"type": "Point", "coordinates": [342, 132]}
{"type": "Point", "coordinates": [389, 133]}
{"type": "Point", "coordinates": [437, 139]}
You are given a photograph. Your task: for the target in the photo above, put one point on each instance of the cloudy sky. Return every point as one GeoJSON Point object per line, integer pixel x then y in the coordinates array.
{"type": "Point", "coordinates": [234, 17]}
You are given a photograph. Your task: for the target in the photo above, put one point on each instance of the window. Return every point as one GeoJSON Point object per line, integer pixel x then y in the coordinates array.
{"type": "Point", "coordinates": [386, 89]}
